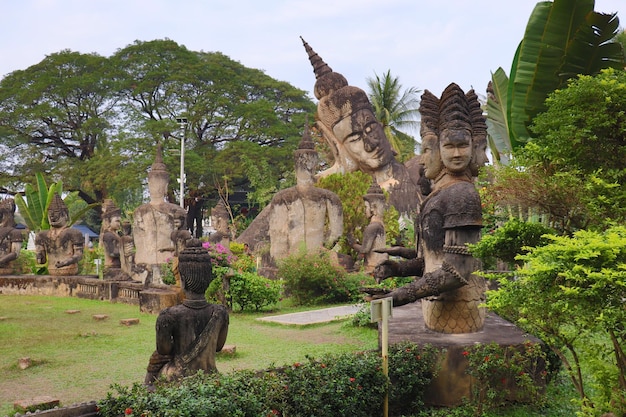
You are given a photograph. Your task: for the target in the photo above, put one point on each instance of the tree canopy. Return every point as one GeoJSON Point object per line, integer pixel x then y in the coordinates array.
{"type": "Point", "coordinates": [93, 122]}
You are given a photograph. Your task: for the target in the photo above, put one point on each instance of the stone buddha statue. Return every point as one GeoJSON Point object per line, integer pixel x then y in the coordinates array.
{"type": "Point", "coordinates": [189, 334]}
{"type": "Point", "coordinates": [450, 217]}
{"type": "Point", "coordinates": [153, 224]}
{"type": "Point", "coordinates": [356, 138]}
{"type": "Point", "coordinates": [10, 237]}
{"type": "Point", "coordinates": [219, 220]}
{"type": "Point", "coordinates": [374, 236]}
{"type": "Point", "coordinates": [61, 246]}
{"type": "Point", "coordinates": [304, 216]}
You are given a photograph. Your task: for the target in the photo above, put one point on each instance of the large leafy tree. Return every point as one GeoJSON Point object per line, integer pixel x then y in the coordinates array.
{"type": "Point", "coordinates": [233, 113]}
{"type": "Point", "coordinates": [55, 116]}
{"type": "Point", "coordinates": [93, 122]}
{"type": "Point", "coordinates": [563, 39]}
{"type": "Point", "coordinates": [397, 110]}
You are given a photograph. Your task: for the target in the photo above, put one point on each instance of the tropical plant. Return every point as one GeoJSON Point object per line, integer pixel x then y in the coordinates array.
{"type": "Point", "coordinates": [33, 206]}
{"type": "Point", "coordinates": [563, 39]}
{"type": "Point", "coordinates": [396, 110]}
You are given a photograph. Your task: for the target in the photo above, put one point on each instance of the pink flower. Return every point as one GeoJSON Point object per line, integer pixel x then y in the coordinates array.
{"type": "Point", "coordinates": [352, 379]}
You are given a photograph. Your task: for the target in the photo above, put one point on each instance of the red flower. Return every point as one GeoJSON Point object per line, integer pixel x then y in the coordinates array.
{"type": "Point", "coordinates": [128, 411]}
{"type": "Point", "coordinates": [296, 365]}
{"type": "Point", "coordinates": [465, 353]}
{"type": "Point", "coordinates": [323, 365]}
{"type": "Point", "coordinates": [352, 379]}
{"type": "Point", "coordinates": [486, 358]}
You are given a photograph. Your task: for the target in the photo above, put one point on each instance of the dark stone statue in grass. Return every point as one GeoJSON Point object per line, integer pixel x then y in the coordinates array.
{"type": "Point", "coordinates": [61, 246]}
{"type": "Point", "coordinates": [10, 237]}
{"type": "Point", "coordinates": [453, 133]}
{"type": "Point", "coordinates": [189, 334]}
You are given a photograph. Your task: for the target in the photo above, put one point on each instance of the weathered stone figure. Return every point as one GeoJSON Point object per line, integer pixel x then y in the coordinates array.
{"type": "Point", "coordinates": [189, 334]}
{"type": "Point", "coordinates": [374, 234]}
{"type": "Point", "coordinates": [10, 238]}
{"type": "Point", "coordinates": [219, 220]}
{"type": "Point", "coordinates": [304, 216]}
{"type": "Point", "coordinates": [61, 246]}
{"type": "Point", "coordinates": [153, 224]}
{"type": "Point", "coordinates": [450, 217]}
{"type": "Point", "coordinates": [347, 121]}
{"type": "Point", "coordinates": [127, 248]}
{"type": "Point", "coordinates": [111, 240]}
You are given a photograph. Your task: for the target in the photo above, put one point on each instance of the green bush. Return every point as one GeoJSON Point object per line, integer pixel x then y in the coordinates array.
{"type": "Point", "coordinates": [249, 290]}
{"type": "Point", "coordinates": [313, 279]}
{"type": "Point", "coordinates": [411, 368]}
{"type": "Point", "coordinates": [349, 384]}
{"type": "Point", "coordinates": [509, 240]}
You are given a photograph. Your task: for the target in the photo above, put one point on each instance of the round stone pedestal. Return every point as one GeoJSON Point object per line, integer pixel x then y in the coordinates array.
{"type": "Point", "coordinates": [457, 311]}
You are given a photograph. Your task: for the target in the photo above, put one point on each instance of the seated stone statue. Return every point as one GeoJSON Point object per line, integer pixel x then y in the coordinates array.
{"type": "Point", "coordinates": [189, 334]}
{"type": "Point", "coordinates": [356, 138]}
{"type": "Point", "coordinates": [304, 216]}
{"type": "Point", "coordinates": [111, 240]}
{"type": "Point", "coordinates": [374, 234]}
{"type": "Point", "coordinates": [10, 237]}
{"type": "Point", "coordinates": [153, 226]}
{"type": "Point", "coordinates": [450, 217]}
{"type": "Point", "coordinates": [219, 221]}
{"type": "Point", "coordinates": [61, 246]}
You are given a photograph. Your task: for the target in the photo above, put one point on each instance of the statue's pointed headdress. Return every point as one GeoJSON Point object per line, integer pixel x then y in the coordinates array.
{"type": "Point", "coordinates": [327, 80]}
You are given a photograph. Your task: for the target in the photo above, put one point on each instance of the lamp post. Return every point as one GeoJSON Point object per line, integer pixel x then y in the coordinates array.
{"type": "Point", "coordinates": [182, 122]}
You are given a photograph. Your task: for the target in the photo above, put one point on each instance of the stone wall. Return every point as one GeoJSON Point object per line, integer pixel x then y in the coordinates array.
{"type": "Point", "coordinates": [150, 299]}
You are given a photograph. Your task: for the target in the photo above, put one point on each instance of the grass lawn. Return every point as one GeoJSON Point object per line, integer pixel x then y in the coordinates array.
{"type": "Point", "coordinates": [76, 358]}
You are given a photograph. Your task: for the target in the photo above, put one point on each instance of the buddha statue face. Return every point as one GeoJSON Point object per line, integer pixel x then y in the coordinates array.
{"type": "Point", "coordinates": [431, 157]}
{"type": "Point", "coordinates": [364, 140]}
{"type": "Point", "coordinates": [456, 149]}
{"type": "Point", "coordinates": [157, 186]}
{"type": "Point", "coordinates": [115, 223]}
{"type": "Point", "coordinates": [58, 218]}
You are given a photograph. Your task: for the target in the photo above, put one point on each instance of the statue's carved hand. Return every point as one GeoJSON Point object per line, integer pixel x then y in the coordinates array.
{"type": "Point", "coordinates": [385, 269]}
{"type": "Point", "coordinates": [401, 251]}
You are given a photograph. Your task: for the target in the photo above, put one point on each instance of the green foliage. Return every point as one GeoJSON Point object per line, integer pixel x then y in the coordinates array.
{"type": "Point", "coordinates": [499, 371]}
{"type": "Point", "coordinates": [314, 279]}
{"type": "Point", "coordinates": [33, 206]}
{"type": "Point", "coordinates": [397, 111]}
{"type": "Point", "coordinates": [581, 281]}
{"type": "Point", "coordinates": [350, 384]}
{"type": "Point", "coordinates": [563, 38]}
{"type": "Point", "coordinates": [509, 240]}
{"type": "Point", "coordinates": [87, 264]}
{"type": "Point", "coordinates": [351, 187]}
{"type": "Point", "coordinates": [250, 290]}
{"type": "Point", "coordinates": [167, 273]}
{"type": "Point", "coordinates": [411, 368]}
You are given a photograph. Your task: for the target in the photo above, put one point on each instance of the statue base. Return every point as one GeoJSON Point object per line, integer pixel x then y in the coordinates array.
{"type": "Point", "coordinates": [452, 385]}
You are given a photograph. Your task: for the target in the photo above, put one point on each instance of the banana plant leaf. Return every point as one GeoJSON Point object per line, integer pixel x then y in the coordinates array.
{"type": "Point", "coordinates": [562, 39]}
{"type": "Point", "coordinates": [497, 122]}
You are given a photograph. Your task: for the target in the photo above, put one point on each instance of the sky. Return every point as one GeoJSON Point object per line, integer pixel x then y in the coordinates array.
{"type": "Point", "coordinates": [425, 44]}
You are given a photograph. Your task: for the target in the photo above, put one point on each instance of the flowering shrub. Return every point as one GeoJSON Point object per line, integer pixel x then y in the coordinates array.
{"type": "Point", "coordinates": [167, 273]}
{"type": "Point", "coordinates": [349, 384]}
{"type": "Point", "coordinates": [499, 371]}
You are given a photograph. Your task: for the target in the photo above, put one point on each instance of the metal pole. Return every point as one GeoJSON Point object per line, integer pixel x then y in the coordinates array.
{"type": "Point", "coordinates": [183, 126]}
{"type": "Point", "coordinates": [182, 170]}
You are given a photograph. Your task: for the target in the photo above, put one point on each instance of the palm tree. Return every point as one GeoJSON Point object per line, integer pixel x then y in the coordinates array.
{"type": "Point", "coordinates": [397, 111]}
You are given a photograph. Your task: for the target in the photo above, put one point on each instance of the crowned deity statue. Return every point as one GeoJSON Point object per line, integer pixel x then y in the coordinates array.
{"type": "Point", "coordinates": [61, 247]}
{"type": "Point", "coordinates": [453, 134]}
{"type": "Point", "coordinates": [11, 238]}
{"type": "Point", "coordinates": [374, 236]}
